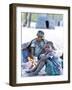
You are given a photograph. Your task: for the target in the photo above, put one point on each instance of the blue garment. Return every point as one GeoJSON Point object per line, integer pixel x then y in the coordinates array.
{"type": "Point", "coordinates": [25, 54]}
{"type": "Point", "coordinates": [53, 65]}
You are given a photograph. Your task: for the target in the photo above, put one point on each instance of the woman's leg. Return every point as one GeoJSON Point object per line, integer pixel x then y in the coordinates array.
{"type": "Point", "coordinates": [49, 68]}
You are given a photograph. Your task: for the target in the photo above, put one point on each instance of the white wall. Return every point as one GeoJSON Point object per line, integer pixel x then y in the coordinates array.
{"type": "Point", "coordinates": [4, 45]}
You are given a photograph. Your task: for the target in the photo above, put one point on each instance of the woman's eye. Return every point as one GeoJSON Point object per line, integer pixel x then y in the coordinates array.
{"type": "Point", "coordinates": [48, 47]}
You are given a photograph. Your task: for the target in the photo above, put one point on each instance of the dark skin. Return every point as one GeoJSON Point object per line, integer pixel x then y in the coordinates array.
{"type": "Point", "coordinates": [41, 62]}
{"type": "Point", "coordinates": [39, 38]}
{"type": "Point", "coordinates": [37, 69]}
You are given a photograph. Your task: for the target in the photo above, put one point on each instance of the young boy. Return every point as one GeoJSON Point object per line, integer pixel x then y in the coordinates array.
{"type": "Point", "coordinates": [50, 59]}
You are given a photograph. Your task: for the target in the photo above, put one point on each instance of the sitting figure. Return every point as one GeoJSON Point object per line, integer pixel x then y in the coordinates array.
{"type": "Point", "coordinates": [50, 59]}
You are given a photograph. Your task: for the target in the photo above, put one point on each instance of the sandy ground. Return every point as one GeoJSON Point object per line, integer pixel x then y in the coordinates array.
{"type": "Point", "coordinates": [24, 74]}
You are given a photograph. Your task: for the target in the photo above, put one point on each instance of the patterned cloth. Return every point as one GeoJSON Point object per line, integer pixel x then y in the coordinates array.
{"type": "Point", "coordinates": [53, 64]}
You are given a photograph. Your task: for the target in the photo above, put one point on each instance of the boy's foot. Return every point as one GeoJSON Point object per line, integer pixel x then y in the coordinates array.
{"type": "Point", "coordinates": [28, 71]}
{"type": "Point", "coordinates": [32, 74]}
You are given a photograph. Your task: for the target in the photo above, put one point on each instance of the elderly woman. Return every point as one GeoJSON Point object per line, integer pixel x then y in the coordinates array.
{"type": "Point", "coordinates": [50, 59]}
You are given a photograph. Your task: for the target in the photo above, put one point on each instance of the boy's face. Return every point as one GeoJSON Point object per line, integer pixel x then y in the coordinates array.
{"type": "Point", "coordinates": [39, 38]}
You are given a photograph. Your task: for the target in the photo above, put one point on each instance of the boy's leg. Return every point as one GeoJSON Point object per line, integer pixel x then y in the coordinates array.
{"type": "Point", "coordinates": [40, 66]}
{"type": "Point", "coordinates": [32, 70]}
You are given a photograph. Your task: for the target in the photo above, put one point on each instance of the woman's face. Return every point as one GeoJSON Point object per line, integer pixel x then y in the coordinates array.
{"type": "Point", "coordinates": [48, 48]}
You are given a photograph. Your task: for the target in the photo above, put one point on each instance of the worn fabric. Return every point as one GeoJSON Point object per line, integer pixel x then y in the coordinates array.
{"type": "Point", "coordinates": [25, 54]}
{"type": "Point", "coordinates": [38, 46]}
{"type": "Point", "coordinates": [53, 64]}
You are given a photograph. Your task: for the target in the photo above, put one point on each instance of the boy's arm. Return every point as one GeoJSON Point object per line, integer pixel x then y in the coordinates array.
{"type": "Point", "coordinates": [32, 47]}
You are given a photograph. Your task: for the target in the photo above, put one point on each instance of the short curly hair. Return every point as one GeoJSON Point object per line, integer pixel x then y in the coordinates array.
{"type": "Point", "coordinates": [40, 33]}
